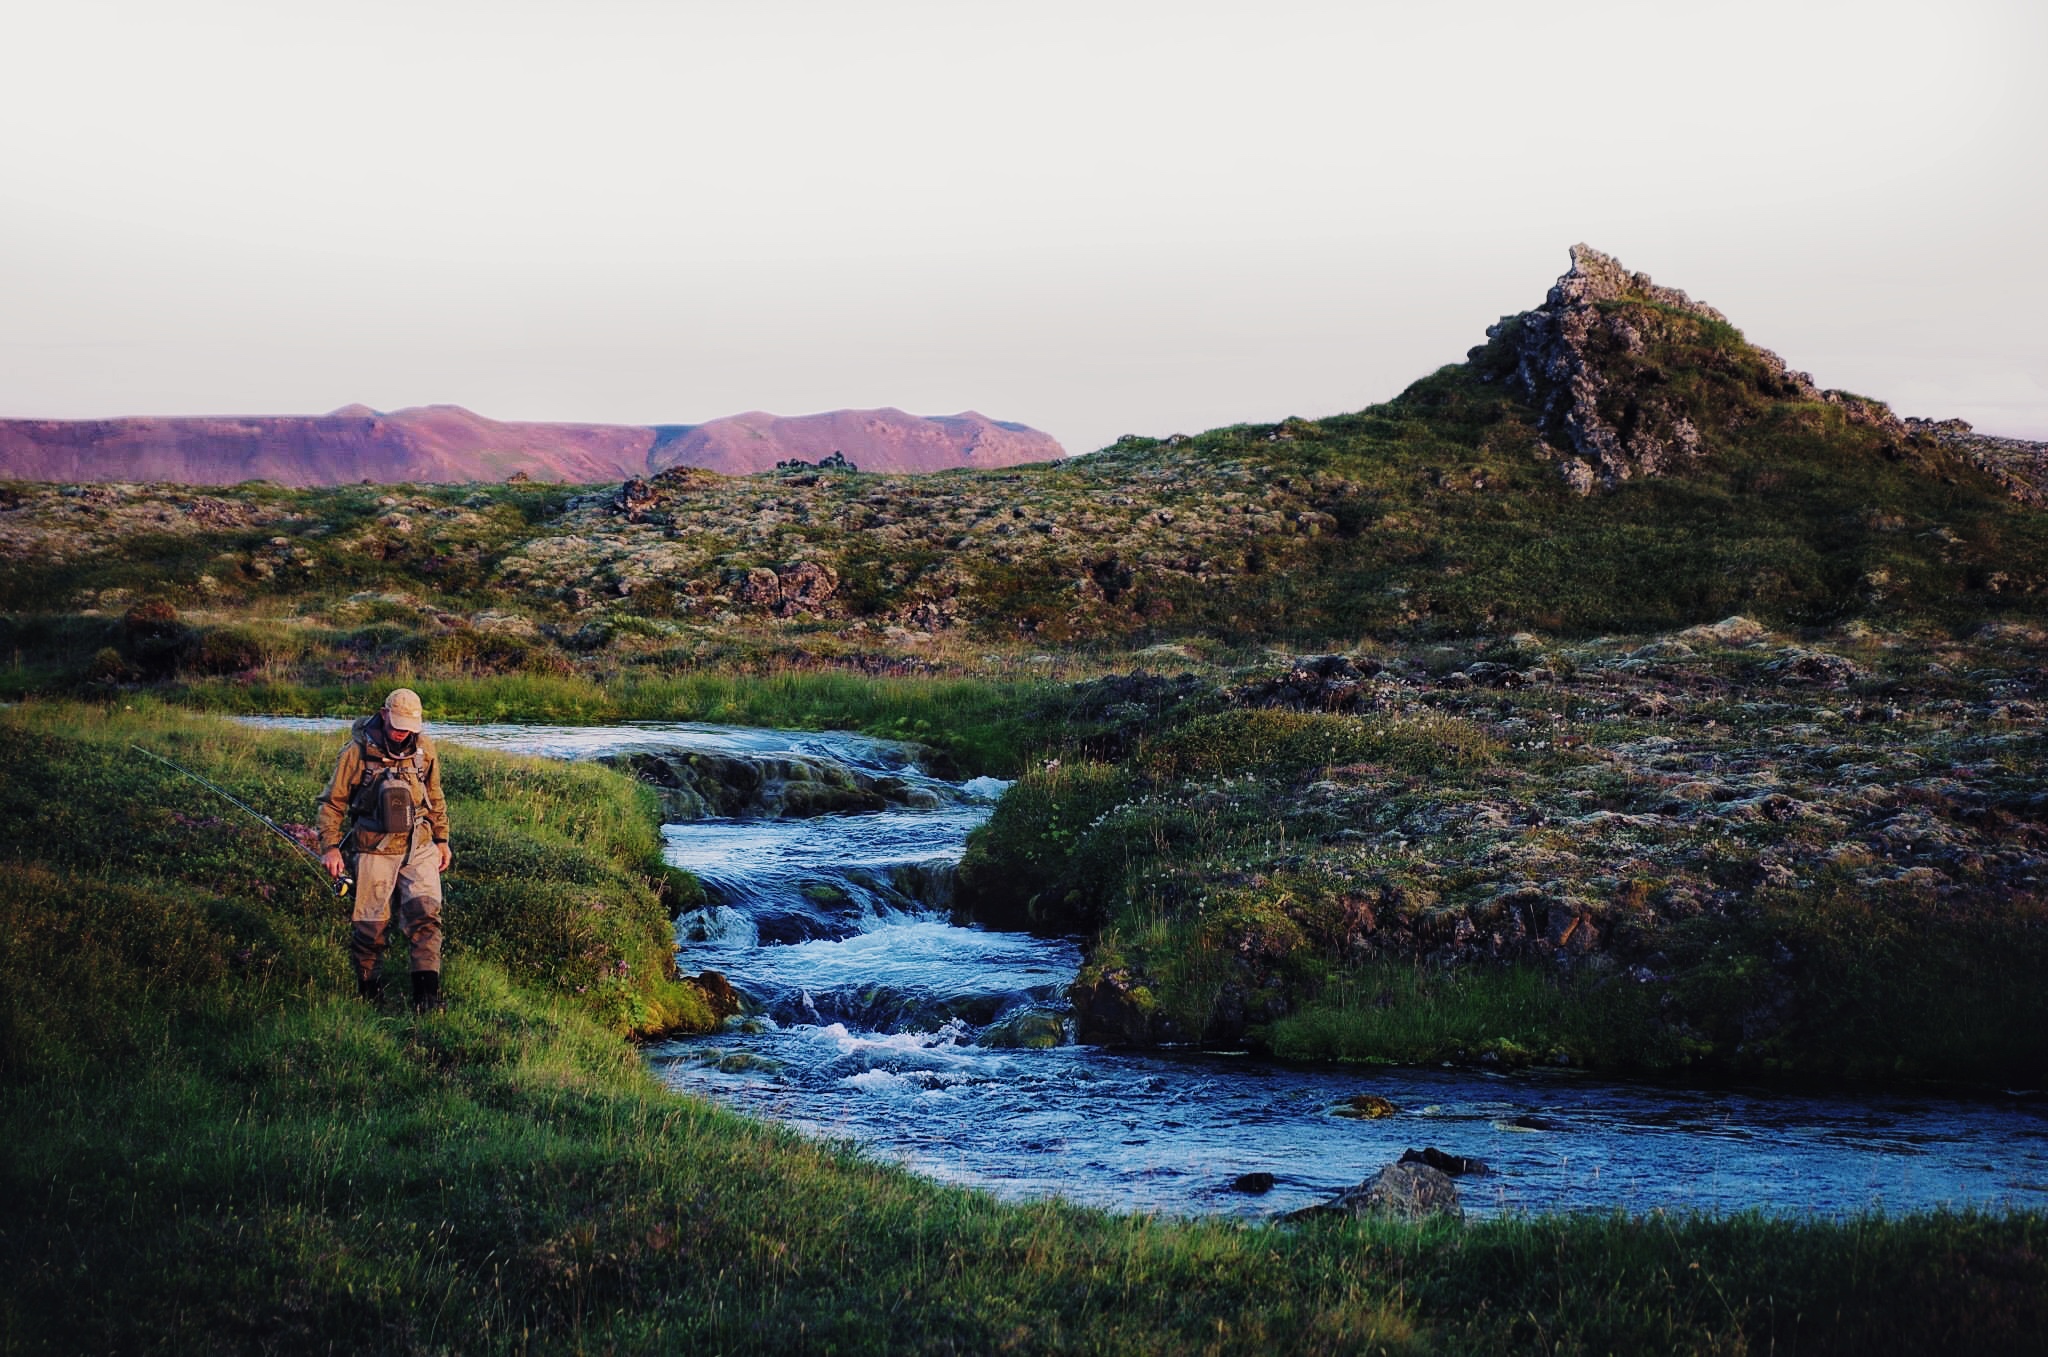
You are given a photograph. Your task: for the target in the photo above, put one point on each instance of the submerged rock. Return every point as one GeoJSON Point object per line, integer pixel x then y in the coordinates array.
{"type": "Point", "coordinates": [1253, 1184]}
{"type": "Point", "coordinates": [1528, 1121]}
{"type": "Point", "coordinates": [748, 1062]}
{"type": "Point", "coordinates": [1365, 1107]}
{"type": "Point", "coordinates": [1455, 1165]}
{"type": "Point", "coordinates": [1035, 1030]}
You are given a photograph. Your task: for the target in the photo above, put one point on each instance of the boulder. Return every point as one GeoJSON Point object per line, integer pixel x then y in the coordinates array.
{"type": "Point", "coordinates": [1814, 669]}
{"type": "Point", "coordinates": [1729, 631]}
{"type": "Point", "coordinates": [1405, 1191]}
{"type": "Point", "coordinates": [806, 585]}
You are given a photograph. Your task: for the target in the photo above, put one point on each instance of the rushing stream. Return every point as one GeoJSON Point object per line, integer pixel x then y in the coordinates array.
{"type": "Point", "coordinates": [880, 1022]}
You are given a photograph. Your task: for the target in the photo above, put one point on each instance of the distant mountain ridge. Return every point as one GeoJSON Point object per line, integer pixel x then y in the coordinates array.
{"type": "Point", "coordinates": [446, 443]}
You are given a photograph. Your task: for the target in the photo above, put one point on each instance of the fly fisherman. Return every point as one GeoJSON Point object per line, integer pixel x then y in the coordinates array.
{"type": "Point", "coordinates": [385, 797]}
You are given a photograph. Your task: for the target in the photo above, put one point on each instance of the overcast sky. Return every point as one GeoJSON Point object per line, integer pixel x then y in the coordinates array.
{"type": "Point", "coordinates": [1096, 218]}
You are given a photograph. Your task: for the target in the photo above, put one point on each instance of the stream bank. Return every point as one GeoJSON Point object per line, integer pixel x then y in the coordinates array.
{"type": "Point", "coordinates": [873, 1017]}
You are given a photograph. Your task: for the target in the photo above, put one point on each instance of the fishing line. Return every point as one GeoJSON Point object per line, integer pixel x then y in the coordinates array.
{"type": "Point", "coordinates": [341, 885]}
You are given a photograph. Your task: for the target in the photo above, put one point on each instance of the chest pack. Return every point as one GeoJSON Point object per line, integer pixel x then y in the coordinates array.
{"type": "Point", "coordinates": [389, 789]}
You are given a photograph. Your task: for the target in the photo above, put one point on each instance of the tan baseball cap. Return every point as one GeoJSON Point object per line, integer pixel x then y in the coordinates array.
{"type": "Point", "coordinates": [402, 710]}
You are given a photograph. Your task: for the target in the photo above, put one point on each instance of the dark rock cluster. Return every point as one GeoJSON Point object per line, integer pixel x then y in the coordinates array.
{"type": "Point", "coordinates": [800, 587]}
{"type": "Point", "coordinates": [1314, 683]}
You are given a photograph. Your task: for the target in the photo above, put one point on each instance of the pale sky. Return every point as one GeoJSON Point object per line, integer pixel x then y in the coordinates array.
{"type": "Point", "coordinates": [1095, 218]}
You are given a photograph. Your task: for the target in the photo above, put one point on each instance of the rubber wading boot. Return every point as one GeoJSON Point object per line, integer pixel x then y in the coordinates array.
{"type": "Point", "coordinates": [369, 988]}
{"type": "Point", "coordinates": [426, 992]}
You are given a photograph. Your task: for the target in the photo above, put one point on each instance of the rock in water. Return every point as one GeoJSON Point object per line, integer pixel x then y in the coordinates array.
{"type": "Point", "coordinates": [1109, 1010]}
{"type": "Point", "coordinates": [1456, 1165]}
{"type": "Point", "coordinates": [1402, 1191]}
{"type": "Point", "coordinates": [1365, 1107]}
{"type": "Point", "coordinates": [1253, 1184]}
{"type": "Point", "coordinates": [718, 993]}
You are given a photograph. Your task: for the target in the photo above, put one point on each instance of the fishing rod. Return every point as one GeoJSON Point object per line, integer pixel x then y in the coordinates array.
{"type": "Point", "coordinates": [342, 884]}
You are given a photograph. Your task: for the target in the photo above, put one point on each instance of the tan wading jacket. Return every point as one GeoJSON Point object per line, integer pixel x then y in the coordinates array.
{"type": "Point", "coordinates": [366, 750]}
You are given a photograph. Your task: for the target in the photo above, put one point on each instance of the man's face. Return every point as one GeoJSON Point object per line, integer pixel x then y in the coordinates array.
{"type": "Point", "coordinates": [401, 739]}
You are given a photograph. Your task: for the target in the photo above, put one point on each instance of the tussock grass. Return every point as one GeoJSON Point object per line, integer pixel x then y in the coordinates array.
{"type": "Point", "coordinates": [1291, 742]}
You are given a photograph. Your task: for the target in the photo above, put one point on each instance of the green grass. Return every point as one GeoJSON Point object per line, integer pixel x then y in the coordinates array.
{"type": "Point", "coordinates": [1506, 1016]}
{"type": "Point", "coordinates": [135, 897]}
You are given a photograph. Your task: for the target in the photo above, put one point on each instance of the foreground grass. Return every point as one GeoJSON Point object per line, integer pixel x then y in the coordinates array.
{"type": "Point", "coordinates": [211, 1149]}
{"type": "Point", "coordinates": [507, 1178]}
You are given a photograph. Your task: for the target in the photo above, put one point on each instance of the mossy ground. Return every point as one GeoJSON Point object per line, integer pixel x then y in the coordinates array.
{"type": "Point", "coordinates": [213, 1149]}
{"type": "Point", "coordinates": [1796, 858]}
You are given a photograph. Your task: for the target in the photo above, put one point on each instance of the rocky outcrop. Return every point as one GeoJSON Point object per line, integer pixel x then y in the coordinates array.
{"type": "Point", "coordinates": [790, 590]}
{"type": "Point", "coordinates": [1584, 360]}
{"type": "Point", "coordinates": [719, 995]}
{"type": "Point", "coordinates": [1313, 683]}
{"type": "Point", "coordinates": [446, 443]}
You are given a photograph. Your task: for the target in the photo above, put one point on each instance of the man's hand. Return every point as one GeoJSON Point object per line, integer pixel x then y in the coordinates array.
{"type": "Point", "coordinates": [331, 860]}
{"type": "Point", "coordinates": [447, 855]}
